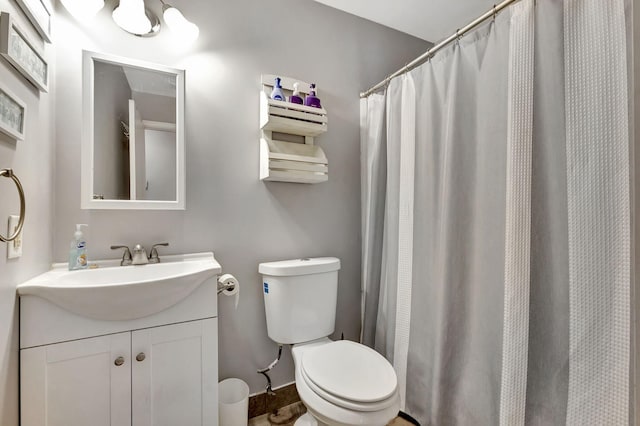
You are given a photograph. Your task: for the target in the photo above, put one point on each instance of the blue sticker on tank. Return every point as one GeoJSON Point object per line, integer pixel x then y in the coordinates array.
{"type": "Point", "coordinates": [266, 287]}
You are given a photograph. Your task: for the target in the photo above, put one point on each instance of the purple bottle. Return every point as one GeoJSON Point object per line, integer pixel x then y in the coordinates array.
{"type": "Point", "coordinates": [312, 100]}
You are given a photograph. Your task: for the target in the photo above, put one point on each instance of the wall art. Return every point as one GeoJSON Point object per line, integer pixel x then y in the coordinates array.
{"type": "Point", "coordinates": [22, 54]}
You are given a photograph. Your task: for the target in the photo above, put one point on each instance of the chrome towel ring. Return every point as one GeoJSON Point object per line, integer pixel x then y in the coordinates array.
{"type": "Point", "coordinates": [9, 174]}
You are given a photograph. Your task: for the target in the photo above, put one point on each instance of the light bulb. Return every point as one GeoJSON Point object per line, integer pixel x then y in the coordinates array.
{"type": "Point", "coordinates": [131, 17]}
{"type": "Point", "coordinates": [187, 31]}
{"type": "Point", "coordinates": [83, 10]}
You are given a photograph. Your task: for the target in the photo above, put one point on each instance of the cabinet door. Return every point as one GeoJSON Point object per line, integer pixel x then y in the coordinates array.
{"type": "Point", "coordinates": [77, 383]}
{"type": "Point", "coordinates": [175, 375]}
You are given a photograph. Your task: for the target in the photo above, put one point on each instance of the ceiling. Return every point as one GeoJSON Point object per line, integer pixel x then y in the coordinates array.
{"type": "Point", "coordinates": [430, 20]}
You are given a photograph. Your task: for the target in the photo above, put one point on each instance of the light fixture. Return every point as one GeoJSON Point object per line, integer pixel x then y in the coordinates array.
{"type": "Point", "coordinates": [186, 30]}
{"type": "Point", "coordinates": [83, 10]}
{"type": "Point", "coordinates": [131, 16]}
{"type": "Point", "coordinates": [134, 17]}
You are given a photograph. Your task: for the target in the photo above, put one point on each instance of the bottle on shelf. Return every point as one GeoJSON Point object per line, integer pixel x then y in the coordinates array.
{"type": "Point", "coordinates": [296, 98]}
{"type": "Point", "coordinates": [276, 93]}
{"type": "Point", "coordinates": [312, 100]}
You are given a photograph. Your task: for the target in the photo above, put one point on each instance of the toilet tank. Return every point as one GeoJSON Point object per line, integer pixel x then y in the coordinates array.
{"type": "Point", "coordinates": [300, 298]}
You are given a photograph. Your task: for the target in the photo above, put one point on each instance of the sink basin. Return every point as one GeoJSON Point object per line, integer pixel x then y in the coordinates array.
{"type": "Point", "coordinates": [114, 292]}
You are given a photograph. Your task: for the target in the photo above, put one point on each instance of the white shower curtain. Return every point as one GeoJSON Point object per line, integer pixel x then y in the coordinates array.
{"type": "Point", "coordinates": [496, 221]}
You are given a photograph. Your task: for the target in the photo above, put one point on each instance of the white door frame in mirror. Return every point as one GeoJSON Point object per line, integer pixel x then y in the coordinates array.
{"type": "Point", "coordinates": [87, 146]}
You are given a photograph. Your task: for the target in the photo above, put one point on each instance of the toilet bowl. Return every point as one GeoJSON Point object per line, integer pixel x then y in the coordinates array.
{"type": "Point", "coordinates": [340, 382]}
{"type": "Point", "coordinates": [344, 383]}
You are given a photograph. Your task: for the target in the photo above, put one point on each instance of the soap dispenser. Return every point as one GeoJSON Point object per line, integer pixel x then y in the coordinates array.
{"type": "Point", "coordinates": [78, 250]}
{"type": "Point", "coordinates": [276, 93]}
{"type": "Point", "coordinates": [296, 98]}
{"type": "Point", "coordinates": [312, 100]}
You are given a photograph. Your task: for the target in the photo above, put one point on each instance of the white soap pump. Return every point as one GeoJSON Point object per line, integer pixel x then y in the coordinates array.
{"type": "Point", "coordinates": [78, 250]}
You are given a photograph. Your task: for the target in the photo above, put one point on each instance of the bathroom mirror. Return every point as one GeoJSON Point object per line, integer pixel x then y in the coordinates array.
{"type": "Point", "coordinates": [133, 134]}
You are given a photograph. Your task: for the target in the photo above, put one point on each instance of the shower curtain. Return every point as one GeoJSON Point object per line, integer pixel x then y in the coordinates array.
{"type": "Point", "coordinates": [496, 221]}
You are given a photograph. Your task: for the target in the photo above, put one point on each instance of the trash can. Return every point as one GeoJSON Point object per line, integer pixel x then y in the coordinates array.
{"type": "Point", "coordinates": [233, 402]}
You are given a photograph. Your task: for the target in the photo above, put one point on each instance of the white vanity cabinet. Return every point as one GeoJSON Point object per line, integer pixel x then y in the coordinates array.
{"type": "Point", "coordinates": [174, 374]}
{"type": "Point", "coordinates": [151, 377]}
{"type": "Point", "coordinates": [77, 382]}
{"type": "Point", "coordinates": [156, 370]}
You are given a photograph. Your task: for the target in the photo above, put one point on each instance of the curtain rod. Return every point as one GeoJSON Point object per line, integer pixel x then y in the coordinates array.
{"type": "Point", "coordinates": [429, 53]}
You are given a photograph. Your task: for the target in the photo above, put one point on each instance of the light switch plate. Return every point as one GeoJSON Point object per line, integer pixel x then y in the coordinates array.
{"type": "Point", "coordinates": [14, 248]}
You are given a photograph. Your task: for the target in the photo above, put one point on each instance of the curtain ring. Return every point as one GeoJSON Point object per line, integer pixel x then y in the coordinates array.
{"type": "Point", "coordinates": [9, 174]}
{"type": "Point", "coordinates": [458, 36]}
{"type": "Point", "coordinates": [495, 12]}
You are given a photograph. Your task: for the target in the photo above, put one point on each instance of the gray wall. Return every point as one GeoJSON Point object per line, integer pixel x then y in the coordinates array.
{"type": "Point", "coordinates": [156, 107]}
{"type": "Point", "coordinates": [111, 156]}
{"type": "Point", "coordinates": [160, 165]}
{"type": "Point", "coordinates": [229, 210]}
{"type": "Point", "coordinates": [32, 161]}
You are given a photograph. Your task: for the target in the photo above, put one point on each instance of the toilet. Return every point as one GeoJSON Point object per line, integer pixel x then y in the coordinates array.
{"type": "Point", "coordinates": [340, 382]}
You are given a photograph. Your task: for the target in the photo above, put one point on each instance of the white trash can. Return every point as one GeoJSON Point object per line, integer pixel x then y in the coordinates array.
{"type": "Point", "coordinates": [233, 402]}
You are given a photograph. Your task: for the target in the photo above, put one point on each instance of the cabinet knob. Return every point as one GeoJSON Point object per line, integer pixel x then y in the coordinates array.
{"type": "Point", "coordinates": [119, 361]}
{"type": "Point", "coordinates": [140, 357]}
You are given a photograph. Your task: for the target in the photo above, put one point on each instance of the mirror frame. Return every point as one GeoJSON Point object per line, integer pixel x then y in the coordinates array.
{"type": "Point", "coordinates": [87, 168]}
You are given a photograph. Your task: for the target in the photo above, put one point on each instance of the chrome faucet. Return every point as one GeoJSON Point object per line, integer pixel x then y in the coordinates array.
{"type": "Point", "coordinates": [126, 255]}
{"type": "Point", "coordinates": [139, 255]}
{"type": "Point", "coordinates": [153, 254]}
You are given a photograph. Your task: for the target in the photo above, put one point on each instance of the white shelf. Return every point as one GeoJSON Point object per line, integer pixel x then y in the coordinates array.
{"type": "Point", "coordinates": [292, 162]}
{"type": "Point", "coordinates": [295, 177]}
{"type": "Point", "coordinates": [294, 119]}
{"type": "Point", "coordinates": [288, 161]}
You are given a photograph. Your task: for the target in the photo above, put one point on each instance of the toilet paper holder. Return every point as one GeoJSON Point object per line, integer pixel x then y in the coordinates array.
{"type": "Point", "coordinates": [226, 287]}
{"type": "Point", "coordinates": [227, 283]}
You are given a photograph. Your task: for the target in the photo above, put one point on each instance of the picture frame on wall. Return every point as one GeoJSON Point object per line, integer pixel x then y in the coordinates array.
{"type": "Point", "coordinates": [39, 13]}
{"type": "Point", "coordinates": [13, 114]}
{"type": "Point", "coordinates": [20, 52]}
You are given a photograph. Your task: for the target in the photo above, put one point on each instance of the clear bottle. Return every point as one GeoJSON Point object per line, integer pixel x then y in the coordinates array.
{"type": "Point", "coordinates": [78, 250]}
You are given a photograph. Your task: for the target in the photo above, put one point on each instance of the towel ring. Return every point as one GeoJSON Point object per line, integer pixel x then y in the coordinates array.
{"type": "Point", "coordinates": [9, 174]}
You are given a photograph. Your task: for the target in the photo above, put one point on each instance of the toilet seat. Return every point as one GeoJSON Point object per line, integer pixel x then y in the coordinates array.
{"type": "Point", "coordinates": [350, 375]}
{"type": "Point", "coordinates": [345, 403]}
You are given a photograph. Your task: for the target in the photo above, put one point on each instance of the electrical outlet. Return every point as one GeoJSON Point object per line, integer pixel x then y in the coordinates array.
{"type": "Point", "coordinates": [14, 248]}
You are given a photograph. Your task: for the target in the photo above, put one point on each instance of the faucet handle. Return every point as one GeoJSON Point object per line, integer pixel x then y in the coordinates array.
{"type": "Point", "coordinates": [126, 255]}
{"type": "Point", "coordinates": [153, 254]}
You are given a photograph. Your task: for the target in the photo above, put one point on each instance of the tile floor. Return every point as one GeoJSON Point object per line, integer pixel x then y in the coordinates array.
{"type": "Point", "coordinates": [287, 416]}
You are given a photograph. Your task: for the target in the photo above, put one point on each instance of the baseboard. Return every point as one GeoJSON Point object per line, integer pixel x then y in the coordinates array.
{"type": "Point", "coordinates": [261, 403]}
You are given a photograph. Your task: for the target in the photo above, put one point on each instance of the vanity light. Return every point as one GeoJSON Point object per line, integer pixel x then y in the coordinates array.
{"type": "Point", "coordinates": [186, 30]}
{"type": "Point", "coordinates": [131, 17]}
{"type": "Point", "coordinates": [83, 10]}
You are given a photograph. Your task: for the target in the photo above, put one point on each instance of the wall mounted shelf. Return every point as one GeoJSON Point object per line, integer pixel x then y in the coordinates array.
{"type": "Point", "coordinates": [288, 161]}
{"type": "Point", "coordinates": [292, 162]}
{"type": "Point", "coordinates": [294, 119]}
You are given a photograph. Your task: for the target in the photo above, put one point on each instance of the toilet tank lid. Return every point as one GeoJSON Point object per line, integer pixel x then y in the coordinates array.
{"type": "Point", "coordinates": [305, 266]}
